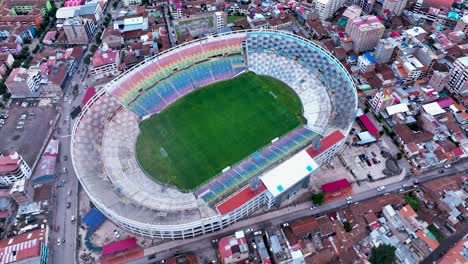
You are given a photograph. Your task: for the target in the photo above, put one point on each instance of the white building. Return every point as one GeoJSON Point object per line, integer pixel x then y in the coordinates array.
{"type": "Point", "coordinates": [458, 80]}
{"type": "Point", "coordinates": [366, 62]}
{"type": "Point", "coordinates": [13, 168]}
{"type": "Point", "coordinates": [326, 8]}
{"type": "Point", "coordinates": [394, 6]}
{"type": "Point", "coordinates": [131, 2]}
{"type": "Point", "coordinates": [24, 82]}
{"type": "Point", "coordinates": [105, 63]}
{"type": "Point", "coordinates": [219, 21]}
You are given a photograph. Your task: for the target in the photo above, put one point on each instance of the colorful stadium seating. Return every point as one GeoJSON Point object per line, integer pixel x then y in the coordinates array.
{"type": "Point", "coordinates": [254, 164]}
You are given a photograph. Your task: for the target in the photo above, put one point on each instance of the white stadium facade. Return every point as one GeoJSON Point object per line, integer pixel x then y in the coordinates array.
{"type": "Point", "coordinates": [105, 133]}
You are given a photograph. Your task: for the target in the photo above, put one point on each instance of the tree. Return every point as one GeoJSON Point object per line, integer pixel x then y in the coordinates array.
{"type": "Point", "coordinates": [6, 96]}
{"type": "Point", "coordinates": [318, 198]}
{"type": "Point", "coordinates": [98, 37]}
{"type": "Point", "coordinates": [87, 59]}
{"type": "Point", "coordinates": [115, 4]}
{"type": "Point", "coordinates": [347, 226]}
{"type": "Point", "coordinates": [36, 49]}
{"type": "Point", "coordinates": [384, 254]}
{"type": "Point", "coordinates": [412, 201]}
{"type": "Point", "coordinates": [366, 110]}
{"type": "Point", "coordinates": [93, 48]}
{"type": "Point", "coordinates": [399, 156]}
{"type": "Point", "coordinates": [381, 132]}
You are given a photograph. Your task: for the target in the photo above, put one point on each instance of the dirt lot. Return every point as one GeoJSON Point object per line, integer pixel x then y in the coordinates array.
{"type": "Point", "coordinates": [27, 137]}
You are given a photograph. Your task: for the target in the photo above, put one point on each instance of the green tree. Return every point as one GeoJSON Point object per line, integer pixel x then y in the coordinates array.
{"type": "Point", "coordinates": [412, 201]}
{"type": "Point", "coordinates": [36, 49]}
{"type": "Point", "coordinates": [383, 254]}
{"type": "Point", "coordinates": [93, 48]}
{"type": "Point", "coordinates": [347, 226]}
{"type": "Point", "coordinates": [98, 37]}
{"type": "Point", "coordinates": [399, 156]}
{"type": "Point", "coordinates": [6, 96]}
{"type": "Point", "coordinates": [318, 198]}
{"type": "Point", "coordinates": [366, 110]}
{"type": "Point", "coordinates": [115, 4]}
{"type": "Point", "coordinates": [87, 59]}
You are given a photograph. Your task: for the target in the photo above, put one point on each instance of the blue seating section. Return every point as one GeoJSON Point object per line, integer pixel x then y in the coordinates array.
{"type": "Point", "coordinates": [181, 82]}
{"type": "Point", "coordinates": [254, 164]}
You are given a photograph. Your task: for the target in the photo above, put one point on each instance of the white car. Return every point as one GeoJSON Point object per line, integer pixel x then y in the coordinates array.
{"type": "Point", "coordinates": [249, 230]}
{"type": "Point", "coordinates": [285, 224]}
{"type": "Point", "coordinates": [313, 208]}
{"type": "Point", "coordinates": [257, 233]}
{"type": "Point", "coordinates": [73, 218]}
{"type": "Point", "coordinates": [349, 198]}
{"type": "Point", "coordinates": [59, 242]}
{"type": "Point", "coordinates": [381, 188]}
{"type": "Point", "coordinates": [447, 166]}
{"type": "Point", "coordinates": [69, 192]}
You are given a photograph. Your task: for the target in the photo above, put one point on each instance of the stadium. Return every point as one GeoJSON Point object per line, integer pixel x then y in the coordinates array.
{"type": "Point", "coordinates": [105, 135]}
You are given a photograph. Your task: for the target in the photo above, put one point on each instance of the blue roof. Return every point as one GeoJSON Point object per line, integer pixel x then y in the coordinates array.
{"type": "Point", "coordinates": [94, 219]}
{"type": "Point", "coordinates": [369, 57]}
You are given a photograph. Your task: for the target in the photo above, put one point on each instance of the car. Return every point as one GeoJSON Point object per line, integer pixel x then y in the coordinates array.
{"type": "Point", "coordinates": [254, 246]}
{"type": "Point", "coordinates": [64, 169]}
{"type": "Point", "coordinates": [386, 194]}
{"type": "Point", "coordinates": [249, 230]}
{"type": "Point", "coordinates": [373, 154]}
{"type": "Point", "coordinates": [349, 202]}
{"type": "Point", "coordinates": [447, 166]}
{"type": "Point", "coordinates": [59, 241]}
{"type": "Point", "coordinates": [72, 218]}
{"type": "Point", "coordinates": [401, 190]}
{"type": "Point", "coordinates": [65, 158]}
{"type": "Point", "coordinates": [349, 198]}
{"type": "Point", "coordinates": [441, 171]}
{"type": "Point", "coordinates": [69, 191]}
{"type": "Point", "coordinates": [20, 123]}
{"type": "Point", "coordinates": [116, 233]}
{"type": "Point", "coordinates": [381, 188]}
{"type": "Point", "coordinates": [374, 160]}
{"type": "Point", "coordinates": [313, 208]}
{"type": "Point", "coordinates": [257, 233]}
{"type": "Point", "coordinates": [368, 163]}
{"type": "Point", "coordinates": [404, 185]}
{"type": "Point", "coordinates": [68, 204]}
{"type": "Point", "coordinates": [415, 181]}
{"type": "Point", "coordinates": [214, 241]}
{"type": "Point", "coordinates": [19, 127]}
{"type": "Point", "coordinates": [285, 224]}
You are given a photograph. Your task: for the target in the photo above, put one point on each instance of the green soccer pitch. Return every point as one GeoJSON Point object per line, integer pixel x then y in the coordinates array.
{"type": "Point", "coordinates": [202, 133]}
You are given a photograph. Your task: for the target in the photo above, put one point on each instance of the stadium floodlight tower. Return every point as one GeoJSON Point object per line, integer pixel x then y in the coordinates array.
{"type": "Point", "coordinates": [105, 161]}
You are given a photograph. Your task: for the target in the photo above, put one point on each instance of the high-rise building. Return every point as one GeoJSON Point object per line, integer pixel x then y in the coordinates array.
{"type": "Point", "coordinates": [79, 30]}
{"type": "Point", "coordinates": [13, 168]}
{"type": "Point", "coordinates": [366, 5]}
{"type": "Point", "coordinates": [384, 51]}
{"type": "Point", "coordinates": [22, 191]}
{"type": "Point", "coordinates": [326, 8]}
{"type": "Point", "coordinates": [365, 32]}
{"type": "Point", "coordinates": [462, 24]}
{"type": "Point", "coordinates": [439, 80]}
{"type": "Point", "coordinates": [381, 100]}
{"type": "Point", "coordinates": [219, 21]}
{"type": "Point", "coordinates": [458, 80]}
{"type": "Point", "coordinates": [394, 6]}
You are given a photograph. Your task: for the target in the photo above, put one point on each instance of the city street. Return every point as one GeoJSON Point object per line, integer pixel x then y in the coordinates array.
{"type": "Point", "coordinates": [67, 230]}
{"type": "Point", "coordinates": [203, 243]}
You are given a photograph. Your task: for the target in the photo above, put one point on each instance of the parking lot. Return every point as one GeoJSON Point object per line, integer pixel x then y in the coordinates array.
{"type": "Point", "coordinates": [26, 128]}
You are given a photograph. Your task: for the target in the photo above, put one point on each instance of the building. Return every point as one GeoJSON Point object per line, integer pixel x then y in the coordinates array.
{"type": "Point", "coordinates": [233, 249]}
{"type": "Point", "coordinates": [13, 168]}
{"type": "Point", "coordinates": [366, 5]}
{"type": "Point", "coordinates": [439, 80]}
{"type": "Point", "coordinates": [458, 80]}
{"type": "Point", "coordinates": [131, 23]}
{"type": "Point", "coordinates": [30, 247]}
{"type": "Point", "coordinates": [384, 51]}
{"type": "Point", "coordinates": [131, 2]}
{"type": "Point", "coordinates": [462, 24]}
{"type": "Point", "coordinates": [396, 7]}
{"type": "Point", "coordinates": [79, 30]}
{"type": "Point", "coordinates": [365, 32]}
{"type": "Point", "coordinates": [105, 62]}
{"type": "Point", "coordinates": [381, 100]}
{"type": "Point", "coordinates": [113, 38]}
{"type": "Point", "coordinates": [326, 8]}
{"type": "Point", "coordinates": [23, 82]}
{"type": "Point", "coordinates": [458, 254]}
{"type": "Point", "coordinates": [366, 62]}
{"type": "Point", "coordinates": [219, 21]}
{"type": "Point", "coordinates": [22, 191]}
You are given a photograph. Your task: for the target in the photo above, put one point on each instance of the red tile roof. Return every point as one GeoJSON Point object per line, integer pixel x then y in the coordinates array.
{"type": "Point", "coordinates": [336, 185]}
{"type": "Point", "coordinates": [104, 57]}
{"type": "Point", "coordinates": [88, 95]}
{"type": "Point", "coordinates": [9, 163]}
{"type": "Point", "coordinates": [326, 143]}
{"type": "Point", "coordinates": [24, 246]}
{"type": "Point", "coordinates": [119, 246]}
{"type": "Point", "coordinates": [239, 199]}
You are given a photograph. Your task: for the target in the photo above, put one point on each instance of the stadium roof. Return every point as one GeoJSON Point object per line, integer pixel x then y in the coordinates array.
{"type": "Point", "coordinates": [326, 143]}
{"type": "Point", "coordinates": [289, 173]}
{"type": "Point", "coordinates": [335, 186]}
{"type": "Point", "coordinates": [93, 219]}
{"type": "Point", "coordinates": [239, 199]}
{"type": "Point", "coordinates": [119, 246]}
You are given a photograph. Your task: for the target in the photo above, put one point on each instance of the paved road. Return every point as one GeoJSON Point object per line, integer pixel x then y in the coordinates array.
{"type": "Point", "coordinates": [66, 252]}
{"type": "Point", "coordinates": [170, 27]}
{"type": "Point", "coordinates": [163, 251]}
